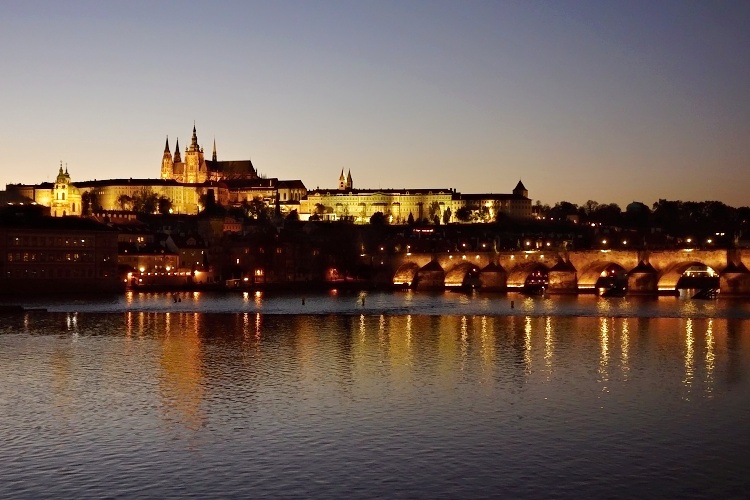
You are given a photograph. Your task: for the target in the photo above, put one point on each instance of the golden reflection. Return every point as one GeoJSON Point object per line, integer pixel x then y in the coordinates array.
{"type": "Point", "coordinates": [710, 356]}
{"type": "Point", "coordinates": [257, 327]}
{"type": "Point", "coordinates": [129, 297]}
{"type": "Point", "coordinates": [362, 329]}
{"type": "Point", "coordinates": [689, 354]}
{"type": "Point", "coordinates": [245, 297]}
{"type": "Point", "coordinates": [527, 345]}
{"type": "Point", "coordinates": [167, 321]}
{"type": "Point", "coordinates": [181, 377]}
{"type": "Point", "coordinates": [399, 348]}
{"type": "Point", "coordinates": [603, 305]}
{"type": "Point", "coordinates": [381, 330]}
{"type": "Point", "coordinates": [408, 330]}
{"type": "Point", "coordinates": [258, 298]}
{"type": "Point", "coordinates": [604, 356]}
{"type": "Point", "coordinates": [490, 347]}
{"type": "Point", "coordinates": [548, 345]}
{"type": "Point", "coordinates": [26, 323]}
{"type": "Point", "coordinates": [464, 340]}
{"type": "Point", "coordinates": [129, 324]}
{"type": "Point", "coordinates": [625, 349]}
{"type": "Point", "coordinates": [246, 326]}
{"type": "Point", "coordinates": [141, 319]}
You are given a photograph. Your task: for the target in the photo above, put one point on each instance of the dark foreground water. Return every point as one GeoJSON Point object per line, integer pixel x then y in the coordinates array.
{"type": "Point", "coordinates": [402, 396]}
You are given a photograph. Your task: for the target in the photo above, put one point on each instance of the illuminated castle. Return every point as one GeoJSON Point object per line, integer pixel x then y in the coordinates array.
{"type": "Point", "coordinates": [195, 169]}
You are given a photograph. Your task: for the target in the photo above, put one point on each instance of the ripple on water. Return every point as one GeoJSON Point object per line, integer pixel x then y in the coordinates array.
{"type": "Point", "coordinates": [458, 405]}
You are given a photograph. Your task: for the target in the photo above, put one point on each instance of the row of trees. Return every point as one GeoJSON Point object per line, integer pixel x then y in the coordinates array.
{"type": "Point", "coordinates": [145, 201]}
{"type": "Point", "coordinates": [672, 217]}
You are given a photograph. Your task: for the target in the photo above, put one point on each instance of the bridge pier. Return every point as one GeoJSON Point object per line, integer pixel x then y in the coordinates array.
{"type": "Point", "coordinates": [493, 278]}
{"type": "Point", "coordinates": [734, 281]}
{"type": "Point", "coordinates": [563, 278]}
{"type": "Point", "coordinates": [643, 280]}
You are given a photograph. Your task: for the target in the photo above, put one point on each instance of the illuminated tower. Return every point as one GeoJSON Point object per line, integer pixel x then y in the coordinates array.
{"type": "Point", "coordinates": [213, 156]}
{"type": "Point", "coordinates": [177, 158]}
{"type": "Point", "coordinates": [167, 165]}
{"type": "Point", "coordinates": [342, 181]}
{"type": "Point", "coordinates": [195, 164]}
{"type": "Point", "coordinates": [349, 183]}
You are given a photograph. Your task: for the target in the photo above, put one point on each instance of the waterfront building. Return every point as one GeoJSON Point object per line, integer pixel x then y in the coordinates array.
{"type": "Point", "coordinates": [57, 255]}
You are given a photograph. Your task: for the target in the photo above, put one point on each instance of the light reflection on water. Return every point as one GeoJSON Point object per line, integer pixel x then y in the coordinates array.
{"type": "Point", "coordinates": [372, 405]}
{"type": "Point", "coordinates": [399, 303]}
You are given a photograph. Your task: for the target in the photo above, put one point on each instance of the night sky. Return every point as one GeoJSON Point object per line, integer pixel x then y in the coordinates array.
{"type": "Point", "coordinates": [610, 101]}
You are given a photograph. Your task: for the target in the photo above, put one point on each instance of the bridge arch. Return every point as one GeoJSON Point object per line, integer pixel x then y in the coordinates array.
{"type": "Point", "coordinates": [406, 274]}
{"type": "Point", "coordinates": [464, 274]}
{"type": "Point", "coordinates": [670, 277]}
{"type": "Point", "coordinates": [590, 275]}
{"type": "Point", "coordinates": [518, 275]}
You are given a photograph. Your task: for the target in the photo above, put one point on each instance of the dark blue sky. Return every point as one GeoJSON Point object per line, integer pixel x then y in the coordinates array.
{"type": "Point", "coordinates": [611, 101]}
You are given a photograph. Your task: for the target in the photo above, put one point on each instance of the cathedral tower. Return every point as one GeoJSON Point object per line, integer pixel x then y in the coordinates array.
{"type": "Point", "coordinates": [342, 181]}
{"type": "Point", "coordinates": [167, 165]}
{"type": "Point", "coordinates": [195, 164]}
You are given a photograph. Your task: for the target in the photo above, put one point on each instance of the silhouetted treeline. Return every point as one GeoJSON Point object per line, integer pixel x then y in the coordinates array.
{"type": "Point", "coordinates": [683, 219]}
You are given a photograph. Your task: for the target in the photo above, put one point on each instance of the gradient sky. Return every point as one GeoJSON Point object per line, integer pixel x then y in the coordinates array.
{"type": "Point", "coordinates": [611, 101]}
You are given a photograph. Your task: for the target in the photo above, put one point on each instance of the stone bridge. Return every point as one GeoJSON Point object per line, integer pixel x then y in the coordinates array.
{"type": "Point", "coordinates": [646, 271]}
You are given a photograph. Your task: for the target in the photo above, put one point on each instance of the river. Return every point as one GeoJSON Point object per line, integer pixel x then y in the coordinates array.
{"type": "Point", "coordinates": [363, 395]}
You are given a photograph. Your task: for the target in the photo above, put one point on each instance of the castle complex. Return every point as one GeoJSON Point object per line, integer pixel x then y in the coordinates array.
{"type": "Point", "coordinates": [187, 180]}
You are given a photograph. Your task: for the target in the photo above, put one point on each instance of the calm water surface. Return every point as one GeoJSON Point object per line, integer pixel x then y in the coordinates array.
{"type": "Point", "coordinates": [404, 395]}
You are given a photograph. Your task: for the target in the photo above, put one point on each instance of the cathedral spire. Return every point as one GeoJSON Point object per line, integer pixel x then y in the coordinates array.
{"type": "Point", "coordinates": [177, 158]}
{"type": "Point", "coordinates": [213, 156]}
{"type": "Point", "coordinates": [194, 141]}
{"type": "Point", "coordinates": [166, 147]}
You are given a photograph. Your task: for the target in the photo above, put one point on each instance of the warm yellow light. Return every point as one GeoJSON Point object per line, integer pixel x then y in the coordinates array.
{"type": "Point", "coordinates": [169, 268]}
{"type": "Point", "coordinates": [604, 242]}
{"type": "Point", "coordinates": [141, 269]}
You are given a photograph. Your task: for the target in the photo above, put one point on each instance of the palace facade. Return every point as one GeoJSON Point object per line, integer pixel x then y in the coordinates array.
{"type": "Point", "coordinates": [399, 205]}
